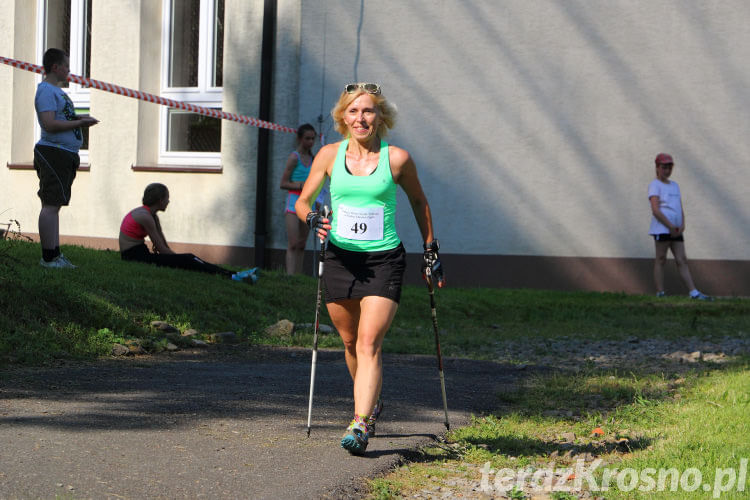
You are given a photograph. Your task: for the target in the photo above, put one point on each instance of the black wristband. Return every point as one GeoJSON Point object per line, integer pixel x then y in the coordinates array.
{"type": "Point", "coordinates": [311, 219]}
{"type": "Point", "coordinates": [434, 245]}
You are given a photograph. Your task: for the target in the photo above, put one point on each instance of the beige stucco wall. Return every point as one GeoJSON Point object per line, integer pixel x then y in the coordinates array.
{"type": "Point", "coordinates": [534, 123]}
{"type": "Point", "coordinates": [103, 195]}
{"type": "Point", "coordinates": [23, 88]}
{"type": "Point", "coordinates": [205, 208]}
{"type": "Point", "coordinates": [213, 209]}
{"type": "Point", "coordinates": [17, 195]}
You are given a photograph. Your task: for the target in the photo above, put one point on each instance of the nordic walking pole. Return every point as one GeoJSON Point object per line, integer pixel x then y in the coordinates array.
{"type": "Point", "coordinates": [315, 256]}
{"type": "Point", "coordinates": [428, 277]}
{"type": "Point", "coordinates": [323, 243]}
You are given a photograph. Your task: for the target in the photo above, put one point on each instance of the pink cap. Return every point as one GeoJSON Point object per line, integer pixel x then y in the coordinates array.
{"type": "Point", "coordinates": [663, 158]}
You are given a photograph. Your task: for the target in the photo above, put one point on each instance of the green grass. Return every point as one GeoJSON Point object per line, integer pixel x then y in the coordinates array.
{"type": "Point", "coordinates": [694, 419]}
{"type": "Point", "coordinates": [50, 313]}
{"type": "Point", "coordinates": [688, 417]}
{"type": "Point", "coordinates": [79, 313]}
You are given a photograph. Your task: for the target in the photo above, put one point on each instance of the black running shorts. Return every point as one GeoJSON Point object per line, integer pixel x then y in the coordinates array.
{"type": "Point", "coordinates": [56, 169]}
{"type": "Point", "coordinates": [353, 275]}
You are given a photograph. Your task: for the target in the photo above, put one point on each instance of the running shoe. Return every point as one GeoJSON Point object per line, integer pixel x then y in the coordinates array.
{"type": "Point", "coordinates": [247, 278]}
{"type": "Point", "coordinates": [57, 263]}
{"type": "Point", "coordinates": [248, 272]}
{"type": "Point", "coordinates": [661, 294]}
{"type": "Point", "coordinates": [374, 416]}
{"type": "Point", "coordinates": [355, 439]}
{"type": "Point", "coordinates": [701, 296]}
{"type": "Point", "coordinates": [68, 264]}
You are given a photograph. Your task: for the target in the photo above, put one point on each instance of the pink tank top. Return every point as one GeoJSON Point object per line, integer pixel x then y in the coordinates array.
{"type": "Point", "coordinates": [131, 228]}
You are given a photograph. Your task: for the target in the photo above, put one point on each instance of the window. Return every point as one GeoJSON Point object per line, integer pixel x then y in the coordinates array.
{"type": "Point", "coordinates": [192, 48]}
{"type": "Point", "coordinates": [66, 24]}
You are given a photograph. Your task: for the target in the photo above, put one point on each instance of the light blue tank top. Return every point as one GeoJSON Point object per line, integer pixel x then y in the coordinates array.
{"type": "Point", "coordinates": [301, 171]}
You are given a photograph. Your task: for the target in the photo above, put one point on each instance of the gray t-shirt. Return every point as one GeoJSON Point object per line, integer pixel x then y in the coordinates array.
{"type": "Point", "coordinates": [52, 98]}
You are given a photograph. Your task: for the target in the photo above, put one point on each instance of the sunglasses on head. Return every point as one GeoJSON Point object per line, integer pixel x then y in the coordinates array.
{"type": "Point", "coordinates": [370, 88]}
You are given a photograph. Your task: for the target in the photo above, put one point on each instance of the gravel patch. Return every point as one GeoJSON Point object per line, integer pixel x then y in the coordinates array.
{"type": "Point", "coordinates": [568, 353]}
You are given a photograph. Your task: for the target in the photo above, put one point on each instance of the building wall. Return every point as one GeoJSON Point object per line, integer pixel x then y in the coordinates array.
{"type": "Point", "coordinates": [533, 123]}
{"type": "Point", "coordinates": [17, 194]}
{"type": "Point", "coordinates": [206, 208]}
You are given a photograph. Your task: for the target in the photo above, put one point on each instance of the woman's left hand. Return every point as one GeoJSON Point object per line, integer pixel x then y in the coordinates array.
{"type": "Point", "coordinates": [432, 268]}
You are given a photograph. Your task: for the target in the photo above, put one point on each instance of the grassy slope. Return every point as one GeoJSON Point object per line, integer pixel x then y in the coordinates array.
{"type": "Point", "coordinates": [80, 312]}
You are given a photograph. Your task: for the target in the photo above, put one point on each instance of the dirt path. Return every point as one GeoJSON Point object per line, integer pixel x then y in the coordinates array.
{"type": "Point", "coordinates": [219, 423]}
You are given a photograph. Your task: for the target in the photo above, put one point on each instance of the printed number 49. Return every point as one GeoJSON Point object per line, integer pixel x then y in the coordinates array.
{"type": "Point", "coordinates": [359, 227]}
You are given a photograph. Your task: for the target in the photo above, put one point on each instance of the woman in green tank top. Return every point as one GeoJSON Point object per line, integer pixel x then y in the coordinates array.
{"type": "Point", "coordinates": [365, 260]}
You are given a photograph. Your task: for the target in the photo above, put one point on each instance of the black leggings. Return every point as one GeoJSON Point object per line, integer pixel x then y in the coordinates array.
{"type": "Point", "coordinates": [140, 253]}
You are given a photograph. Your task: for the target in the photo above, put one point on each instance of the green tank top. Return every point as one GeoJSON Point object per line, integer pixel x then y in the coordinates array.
{"type": "Point", "coordinates": [364, 207]}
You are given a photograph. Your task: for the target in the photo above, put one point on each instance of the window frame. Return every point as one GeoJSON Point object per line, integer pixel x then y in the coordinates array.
{"type": "Point", "coordinates": [204, 94]}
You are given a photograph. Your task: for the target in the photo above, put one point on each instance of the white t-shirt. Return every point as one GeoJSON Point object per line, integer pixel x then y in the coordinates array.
{"type": "Point", "coordinates": [670, 205]}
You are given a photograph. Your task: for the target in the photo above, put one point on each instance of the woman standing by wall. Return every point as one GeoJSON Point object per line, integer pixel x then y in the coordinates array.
{"type": "Point", "coordinates": [297, 169]}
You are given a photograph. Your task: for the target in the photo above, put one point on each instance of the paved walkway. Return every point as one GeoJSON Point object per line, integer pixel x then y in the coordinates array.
{"type": "Point", "coordinates": [219, 423]}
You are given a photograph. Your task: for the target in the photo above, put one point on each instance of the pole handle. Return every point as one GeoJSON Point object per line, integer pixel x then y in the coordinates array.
{"type": "Point", "coordinates": [326, 213]}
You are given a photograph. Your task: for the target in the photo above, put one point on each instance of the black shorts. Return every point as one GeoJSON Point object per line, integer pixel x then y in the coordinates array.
{"type": "Point", "coordinates": [667, 237]}
{"type": "Point", "coordinates": [353, 275]}
{"type": "Point", "coordinates": [56, 169]}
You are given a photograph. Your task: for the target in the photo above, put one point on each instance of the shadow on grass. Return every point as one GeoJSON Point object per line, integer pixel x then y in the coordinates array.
{"type": "Point", "coordinates": [524, 446]}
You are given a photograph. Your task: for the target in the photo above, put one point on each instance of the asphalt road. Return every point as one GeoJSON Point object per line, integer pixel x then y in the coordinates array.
{"type": "Point", "coordinates": [222, 422]}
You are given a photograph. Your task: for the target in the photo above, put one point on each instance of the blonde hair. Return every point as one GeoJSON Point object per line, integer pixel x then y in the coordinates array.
{"type": "Point", "coordinates": [386, 112]}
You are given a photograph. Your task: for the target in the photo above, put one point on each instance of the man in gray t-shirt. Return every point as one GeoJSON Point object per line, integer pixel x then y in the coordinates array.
{"type": "Point", "coordinates": [56, 157]}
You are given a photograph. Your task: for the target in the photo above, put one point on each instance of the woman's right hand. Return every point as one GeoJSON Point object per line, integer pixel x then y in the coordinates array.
{"type": "Point", "coordinates": [319, 223]}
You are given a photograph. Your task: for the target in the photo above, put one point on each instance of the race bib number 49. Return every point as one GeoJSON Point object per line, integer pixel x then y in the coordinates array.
{"type": "Point", "coordinates": [359, 223]}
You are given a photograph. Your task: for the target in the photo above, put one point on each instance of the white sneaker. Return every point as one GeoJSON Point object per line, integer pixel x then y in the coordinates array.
{"type": "Point", "coordinates": [59, 262]}
{"type": "Point", "coordinates": [68, 264]}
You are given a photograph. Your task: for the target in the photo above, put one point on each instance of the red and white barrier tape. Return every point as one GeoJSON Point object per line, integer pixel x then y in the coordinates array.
{"type": "Point", "coordinates": [145, 96]}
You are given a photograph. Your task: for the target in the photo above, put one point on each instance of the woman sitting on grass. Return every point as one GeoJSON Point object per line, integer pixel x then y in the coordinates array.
{"type": "Point", "coordinates": [143, 221]}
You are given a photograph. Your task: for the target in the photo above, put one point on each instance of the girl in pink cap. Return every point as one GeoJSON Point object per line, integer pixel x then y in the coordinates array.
{"type": "Point", "coordinates": [667, 226]}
